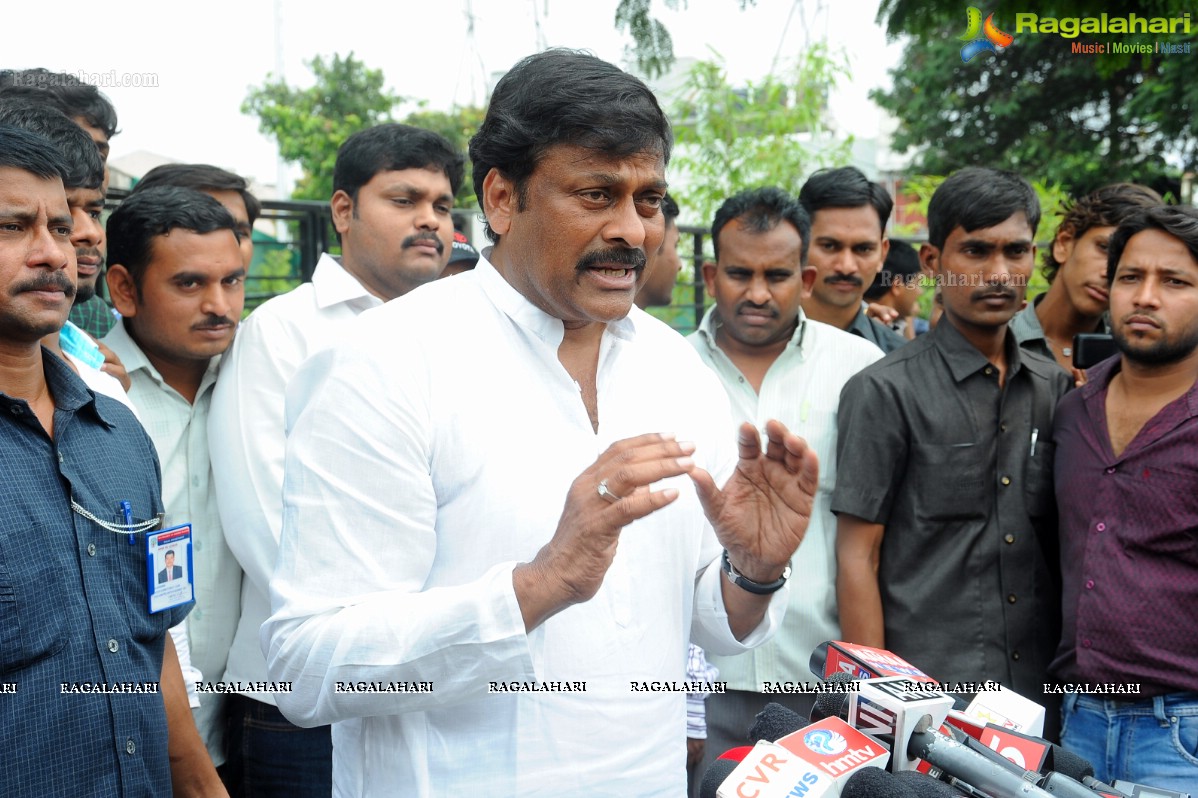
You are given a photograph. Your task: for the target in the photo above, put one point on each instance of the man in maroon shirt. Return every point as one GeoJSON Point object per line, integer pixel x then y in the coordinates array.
{"type": "Point", "coordinates": [1127, 491]}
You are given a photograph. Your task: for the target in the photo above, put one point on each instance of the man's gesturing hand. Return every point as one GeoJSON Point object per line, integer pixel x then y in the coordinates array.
{"type": "Point", "coordinates": [570, 568]}
{"type": "Point", "coordinates": [762, 513]}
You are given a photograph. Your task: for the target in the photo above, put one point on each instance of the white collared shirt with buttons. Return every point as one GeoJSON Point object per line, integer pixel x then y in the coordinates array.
{"type": "Point", "coordinates": [429, 454]}
{"type": "Point", "coordinates": [179, 431]}
{"type": "Point", "coordinates": [246, 435]}
{"type": "Point", "coordinates": [802, 390]}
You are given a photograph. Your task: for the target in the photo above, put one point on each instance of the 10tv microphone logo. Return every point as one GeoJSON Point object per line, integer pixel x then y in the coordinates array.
{"type": "Point", "coordinates": [991, 39]}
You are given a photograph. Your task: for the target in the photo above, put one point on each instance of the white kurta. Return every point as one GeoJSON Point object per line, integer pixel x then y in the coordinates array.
{"type": "Point", "coordinates": [429, 454]}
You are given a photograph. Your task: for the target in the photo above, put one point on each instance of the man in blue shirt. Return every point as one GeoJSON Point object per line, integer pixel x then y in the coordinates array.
{"type": "Point", "coordinates": [88, 678]}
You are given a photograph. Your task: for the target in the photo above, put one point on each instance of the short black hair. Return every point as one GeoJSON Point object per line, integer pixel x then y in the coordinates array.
{"type": "Point", "coordinates": [1178, 221]}
{"type": "Point", "coordinates": [201, 177]}
{"type": "Point", "coordinates": [977, 197]}
{"type": "Point", "coordinates": [393, 147]}
{"type": "Point", "coordinates": [1108, 206]}
{"type": "Point", "coordinates": [30, 152]}
{"type": "Point", "coordinates": [845, 187]}
{"type": "Point", "coordinates": [902, 263]}
{"type": "Point", "coordinates": [81, 159]}
{"type": "Point", "coordinates": [72, 95]}
{"type": "Point", "coordinates": [144, 216]}
{"type": "Point", "coordinates": [564, 97]}
{"type": "Point", "coordinates": [761, 210]}
{"type": "Point", "coordinates": [669, 208]}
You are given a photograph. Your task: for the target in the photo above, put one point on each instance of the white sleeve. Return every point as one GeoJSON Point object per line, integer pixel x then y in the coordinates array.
{"type": "Point", "coordinates": [349, 597]}
{"type": "Point", "coordinates": [191, 674]}
{"type": "Point", "coordinates": [246, 441]}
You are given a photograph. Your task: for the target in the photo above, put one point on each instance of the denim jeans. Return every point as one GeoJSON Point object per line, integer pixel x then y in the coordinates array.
{"type": "Point", "coordinates": [1153, 741]}
{"type": "Point", "coordinates": [269, 757]}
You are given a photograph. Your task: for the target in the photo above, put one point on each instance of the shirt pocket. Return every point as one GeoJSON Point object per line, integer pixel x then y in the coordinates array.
{"type": "Point", "coordinates": [33, 625]}
{"type": "Point", "coordinates": [949, 480]}
{"type": "Point", "coordinates": [1038, 489]}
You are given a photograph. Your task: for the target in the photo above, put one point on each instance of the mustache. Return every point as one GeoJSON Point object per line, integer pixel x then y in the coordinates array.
{"type": "Point", "coordinates": [743, 306]}
{"type": "Point", "coordinates": [50, 281]}
{"type": "Point", "coordinates": [633, 258]}
{"type": "Point", "coordinates": [851, 279]}
{"type": "Point", "coordinates": [1000, 291]}
{"type": "Point", "coordinates": [213, 322]}
{"type": "Point", "coordinates": [90, 252]}
{"type": "Point", "coordinates": [410, 241]}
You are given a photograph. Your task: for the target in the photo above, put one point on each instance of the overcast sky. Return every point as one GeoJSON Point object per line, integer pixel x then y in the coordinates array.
{"type": "Point", "coordinates": [204, 56]}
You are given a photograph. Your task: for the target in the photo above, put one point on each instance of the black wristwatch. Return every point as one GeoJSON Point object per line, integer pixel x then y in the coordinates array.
{"type": "Point", "coordinates": [744, 583]}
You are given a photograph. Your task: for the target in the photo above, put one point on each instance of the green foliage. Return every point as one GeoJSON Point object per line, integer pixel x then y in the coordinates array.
{"type": "Point", "coordinates": [1080, 120]}
{"type": "Point", "coordinates": [275, 271]}
{"type": "Point", "coordinates": [457, 125]}
{"type": "Point", "coordinates": [310, 124]}
{"type": "Point", "coordinates": [652, 47]}
{"type": "Point", "coordinates": [729, 139]}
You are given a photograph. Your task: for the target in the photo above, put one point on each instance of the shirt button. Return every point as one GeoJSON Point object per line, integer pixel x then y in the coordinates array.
{"type": "Point", "coordinates": [1006, 480]}
{"type": "Point", "coordinates": [197, 614]}
{"type": "Point", "coordinates": [195, 482]}
{"type": "Point", "coordinates": [91, 549]}
{"type": "Point", "coordinates": [61, 459]}
{"type": "Point", "coordinates": [1110, 470]}
{"type": "Point", "coordinates": [17, 410]}
{"type": "Point", "coordinates": [1086, 644]}
{"type": "Point", "coordinates": [130, 747]}
{"type": "Point", "coordinates": [1009, 538]}
{"type": "Point", "coordinates": [1089, 584]}
{"type": "Point", "coordinates": [1015, 655]}
{"type": "Point", "coordinates": [1011, 599]}
{"type": "Point", "coordinates": [114, 646]}
{"type": "Point", "coordinates": [989, 371]}
{"type": "Point", "coordinates": [1002, 427]}
{"type": "Point", "coordinates": [199, 545]}
{"type": "Point", "coordinates": [1101, 527]}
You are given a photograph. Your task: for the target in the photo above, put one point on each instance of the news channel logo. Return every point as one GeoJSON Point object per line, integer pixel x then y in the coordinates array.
{"type": "Point", "coordinates": [825, 742]}
{"type": "Point", "coordinates": [981, 38]}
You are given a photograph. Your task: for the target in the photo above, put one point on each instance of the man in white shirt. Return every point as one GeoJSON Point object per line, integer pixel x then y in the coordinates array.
{"type": "Point", "coordinates": [462, 467]}
{"type": "Point", "coordinates": [394, 188]}
{"type": "Point", "coordinates": [775, 362]}
{"type": "Point", "coordinates": [175, 274]}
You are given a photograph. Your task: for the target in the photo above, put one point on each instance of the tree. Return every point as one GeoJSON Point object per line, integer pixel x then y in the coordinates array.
{"type": "Point", "coordinates": [310, 124]}
{"type": "Point", "coordinates": [1082, 120]}
{"type": "Point", "coordinates": [768, 133]}
{"type": "Point", "coordinates": [652, 46]}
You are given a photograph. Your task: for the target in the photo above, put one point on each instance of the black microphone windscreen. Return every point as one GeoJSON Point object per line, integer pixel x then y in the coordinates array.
{"type": "Point", "coordinates": [875, 783]}
{"type": "Point", "coordinates": [774, 722]}
{"type": "Point", "coordinates": [833, 705]}
{"type": "Point", "coordinates": [1070, 764]}
{"type": "Point", "coordinates": [717, 771]}
{"type": "Point", "coordinates": [819, 658]}
{"type": "Point", "coordinates": [925, 786]}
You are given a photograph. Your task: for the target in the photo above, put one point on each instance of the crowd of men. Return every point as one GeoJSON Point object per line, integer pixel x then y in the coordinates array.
{"type": "Point", "coordinates": [398, 535]}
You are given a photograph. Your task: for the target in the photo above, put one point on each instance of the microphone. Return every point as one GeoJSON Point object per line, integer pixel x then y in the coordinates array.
{"type": "Point", "coordinates": [771, 771]}
{"type": "Point", "coordinates": [861, 662]}
{"type": "Point", "coordinates": [1144, 791]}
{"type": "Point", "coordinates": [896, 706]}
{"type": "Point", "coordinates": [1008, 709]}
{"type": "Point", "coordinates": [926, 786]}
{"type": "Point", "coordinates": [953, 758]}
{"type": "Point", "coordinates": [874, 783]}
{"type": "Point", "coordinates": [775, 721]}
{"type": "Point", "coordinates": [834, 704]}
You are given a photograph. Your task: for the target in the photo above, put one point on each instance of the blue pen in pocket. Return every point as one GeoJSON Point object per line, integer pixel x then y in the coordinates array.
{"type": "Point", "coordinates": [127, 514]}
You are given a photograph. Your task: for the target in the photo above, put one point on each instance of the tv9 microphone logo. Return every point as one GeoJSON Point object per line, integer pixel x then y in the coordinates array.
{"type": "Point", "coordinates": [825, 742]}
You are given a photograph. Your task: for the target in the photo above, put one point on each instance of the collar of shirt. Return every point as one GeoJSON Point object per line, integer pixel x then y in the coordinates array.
{"type": "Point", "coordinates": [70, 393]}
{"type": "Point", "coordinates": [517, 307]}
{"type": "Point", "coordinates": [332, 285]}
{"type": "Point", "coordinates": [1025, 325]}
{"type": "Point", "coordinates": [121, 342]}
{"type": "Point", "coordinates": [711, 324]}
{"type": "Point", "coordinates": [964, 359]}
{"type": "Point", "coordinates": [1098, 379]}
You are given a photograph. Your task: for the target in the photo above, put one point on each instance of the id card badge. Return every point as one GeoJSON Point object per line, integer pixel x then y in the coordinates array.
{"type": "Point", "coordinates": [168, 567]}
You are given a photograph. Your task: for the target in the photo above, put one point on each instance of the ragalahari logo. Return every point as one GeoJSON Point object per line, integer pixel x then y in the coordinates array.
{"type": "Point", "coordinates": [992, 39]}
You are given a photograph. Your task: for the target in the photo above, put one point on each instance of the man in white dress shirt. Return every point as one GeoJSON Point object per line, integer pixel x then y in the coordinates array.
{"type": "Point", "coordinates": [175, 273]}
{"type": "Point", "coordinates": [394, 188]}
{"type": "Point", "coordinates": [775, 362]}
{"type": "Point", "coordinates": [501, 523]}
